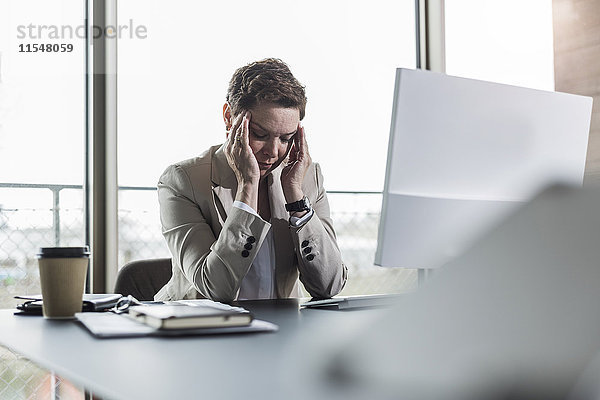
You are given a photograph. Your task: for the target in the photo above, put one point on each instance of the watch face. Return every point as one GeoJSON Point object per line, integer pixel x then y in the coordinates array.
{"type": "Point", "coordinates": [306, 204]}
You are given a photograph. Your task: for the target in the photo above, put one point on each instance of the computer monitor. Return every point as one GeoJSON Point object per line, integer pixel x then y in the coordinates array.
{"type": "Point", "coordinates": [463, 154]}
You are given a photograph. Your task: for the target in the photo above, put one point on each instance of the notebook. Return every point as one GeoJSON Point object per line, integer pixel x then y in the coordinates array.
{"type": "Point", "coordinates": [183, 316]}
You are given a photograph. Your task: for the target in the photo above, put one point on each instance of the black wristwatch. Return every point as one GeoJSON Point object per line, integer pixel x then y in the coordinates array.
{"type": "Point", "coordinates": [300, 205]}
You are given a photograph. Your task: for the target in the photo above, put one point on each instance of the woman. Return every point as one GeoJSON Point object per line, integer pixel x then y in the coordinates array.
{"type": "Point", "coordinates": [247, 218]}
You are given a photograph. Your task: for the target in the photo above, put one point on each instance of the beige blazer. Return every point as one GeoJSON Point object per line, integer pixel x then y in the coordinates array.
{"type": "Point", "coordinates": [207, 236]}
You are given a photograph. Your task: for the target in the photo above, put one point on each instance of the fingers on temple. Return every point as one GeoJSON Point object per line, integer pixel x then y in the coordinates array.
{"type": "Point", "coordinates": [301, 140]}
{"type": "Point", "coordinates": [293, 152]}
{"type": "Point", "coordinates": [237, 124]}
{"type": "Point", "coordinates": [233, 132]}
{"type": "Point", "coordinates": [245, 128]}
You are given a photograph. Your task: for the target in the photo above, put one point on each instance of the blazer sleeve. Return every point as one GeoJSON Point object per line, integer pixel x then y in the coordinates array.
{"type": "Point", "coordinates": [214, 265]}
{"type": "Point", "coordinates": [320, 265]}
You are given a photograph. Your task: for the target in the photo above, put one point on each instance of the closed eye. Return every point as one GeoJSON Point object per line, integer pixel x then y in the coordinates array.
{"type": "Point", "coordinates": [289, 137]}
{"type": "Point", "coordinates": [256, 135]}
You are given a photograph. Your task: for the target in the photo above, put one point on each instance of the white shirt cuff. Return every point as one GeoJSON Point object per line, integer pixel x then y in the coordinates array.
{"type": "Point", "coordinates": [298, 222]}
{"type": "Point", "coordinates": [245, 207]}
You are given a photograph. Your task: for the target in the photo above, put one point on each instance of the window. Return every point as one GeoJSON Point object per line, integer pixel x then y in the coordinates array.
{"type": "Point", "coordinates": [42, 130]}
{"type": "Point", "coordinates": [507, 41]}
{"type": "Point", "coordinates": [172, 87]}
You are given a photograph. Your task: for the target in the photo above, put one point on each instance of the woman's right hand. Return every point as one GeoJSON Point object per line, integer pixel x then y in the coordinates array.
{"type": "Point", "coordinates": [239, 154]}
{"type": "Point", "coordinates": [242, 161]}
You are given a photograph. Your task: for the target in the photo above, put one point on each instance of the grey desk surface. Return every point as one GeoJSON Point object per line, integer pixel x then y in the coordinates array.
{"type": "Point", "coordinates": [226, 366]}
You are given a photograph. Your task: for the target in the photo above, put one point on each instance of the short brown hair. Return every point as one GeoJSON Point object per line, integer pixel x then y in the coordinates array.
{"type": "Point", "coordinates": [268, 80]}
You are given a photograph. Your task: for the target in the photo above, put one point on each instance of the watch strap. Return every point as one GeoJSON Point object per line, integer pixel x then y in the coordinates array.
{"type": "Point", "coordinates": [300, 205]}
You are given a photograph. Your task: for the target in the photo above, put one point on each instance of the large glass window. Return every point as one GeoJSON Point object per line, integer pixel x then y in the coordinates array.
{"type": "Point", "coordinates": [42, 130]}
{"type": "Point", "coordinates": [507, 41]}
{"type": "Point", "coordinates": [172, 87]}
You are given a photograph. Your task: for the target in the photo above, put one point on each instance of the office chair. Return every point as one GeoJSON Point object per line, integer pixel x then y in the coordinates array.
{"type": "Point", "coordinates": [143, 278]}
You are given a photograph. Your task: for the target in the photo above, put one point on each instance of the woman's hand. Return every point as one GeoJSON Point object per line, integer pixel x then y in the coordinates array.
{"type": "Point", "coordinates": [242, 161]}
{"type": "Point", "coordinates": [293, 173]}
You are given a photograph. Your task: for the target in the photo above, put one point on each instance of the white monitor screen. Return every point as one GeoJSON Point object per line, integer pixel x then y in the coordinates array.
{"type": "Point", "coordinates": [463, 154]}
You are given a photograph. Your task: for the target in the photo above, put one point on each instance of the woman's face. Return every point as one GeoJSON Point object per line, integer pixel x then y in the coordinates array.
{"type": "Point", "coordinates": [272, 129]}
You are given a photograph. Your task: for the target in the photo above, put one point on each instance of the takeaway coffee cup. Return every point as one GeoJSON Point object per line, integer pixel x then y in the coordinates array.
{"type": "Point", "coordinates": [62, 276]}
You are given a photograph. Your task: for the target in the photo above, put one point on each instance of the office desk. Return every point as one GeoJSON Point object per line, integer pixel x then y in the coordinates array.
{"type": "Point", "coordinates": [221, 367]}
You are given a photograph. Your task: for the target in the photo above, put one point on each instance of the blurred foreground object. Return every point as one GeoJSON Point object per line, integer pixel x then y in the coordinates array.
{"type": "Point", "coordinates": [515, 317]}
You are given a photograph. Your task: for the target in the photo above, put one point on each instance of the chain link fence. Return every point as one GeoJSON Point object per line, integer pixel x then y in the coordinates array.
{"type": "Point", "coordinates": [356, 220]}
{"type": "Point", "coordinates": [31, 216]}
{"type": "Point", "coordinates": [59, 222]}
{"type": "Point", "coordinates": [22, 379]}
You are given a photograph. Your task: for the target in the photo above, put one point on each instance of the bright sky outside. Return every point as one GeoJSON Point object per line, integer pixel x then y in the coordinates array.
{"type": "Point", "coordinates": [172, 84]}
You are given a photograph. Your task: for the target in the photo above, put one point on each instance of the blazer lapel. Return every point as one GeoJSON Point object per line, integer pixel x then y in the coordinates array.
{"type": "Point", "coordinates": [224, 184]}
{"type": "Point", "coordinates": [284, 247]}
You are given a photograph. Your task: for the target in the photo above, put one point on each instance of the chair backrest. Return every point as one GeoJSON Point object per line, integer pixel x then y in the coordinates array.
{"type": "Point", "coordinates": [143, 278]}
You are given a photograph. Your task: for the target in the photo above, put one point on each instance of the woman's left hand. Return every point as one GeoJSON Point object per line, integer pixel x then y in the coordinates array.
{"type": "Point", "coordinates": [298, 162]}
